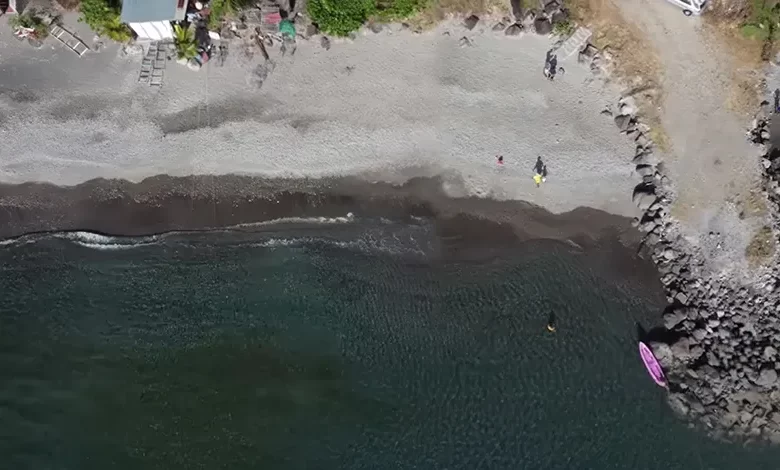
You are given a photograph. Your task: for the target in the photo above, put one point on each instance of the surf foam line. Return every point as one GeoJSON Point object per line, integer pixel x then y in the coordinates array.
{"type": "Point", "coordinates": [106, 241]}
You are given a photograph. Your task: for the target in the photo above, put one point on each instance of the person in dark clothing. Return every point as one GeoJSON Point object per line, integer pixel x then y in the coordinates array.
{"type": "Point", "coordinates": [500, 159]}
{"type": "Point", "coordinates": [539, 165]}
{"type": "Point", "coordinates": [553, 64]}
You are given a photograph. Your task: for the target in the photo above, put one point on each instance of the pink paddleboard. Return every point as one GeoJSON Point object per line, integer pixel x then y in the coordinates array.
{"type": "Point", "coordinates": [652, 365]}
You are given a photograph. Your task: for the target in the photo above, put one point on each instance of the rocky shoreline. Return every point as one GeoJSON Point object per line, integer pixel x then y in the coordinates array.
{"type": "Point", "coordinates": [717, 341]}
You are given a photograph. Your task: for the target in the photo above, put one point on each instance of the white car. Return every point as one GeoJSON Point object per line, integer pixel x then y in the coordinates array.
{"type": "Point", "coordinates": [690, 7]}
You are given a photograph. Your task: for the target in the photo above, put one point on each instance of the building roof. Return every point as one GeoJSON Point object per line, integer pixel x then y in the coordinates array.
{"type": "Point", "coordinates": [142, 11]}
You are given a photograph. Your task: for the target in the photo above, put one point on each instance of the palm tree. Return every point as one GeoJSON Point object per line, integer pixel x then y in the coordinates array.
{"type": "Point", "coordinates": [186, 48]}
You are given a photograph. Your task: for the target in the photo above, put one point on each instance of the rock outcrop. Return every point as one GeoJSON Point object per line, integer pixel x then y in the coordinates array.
{"type": "Point", "coordinates": [721, 353]}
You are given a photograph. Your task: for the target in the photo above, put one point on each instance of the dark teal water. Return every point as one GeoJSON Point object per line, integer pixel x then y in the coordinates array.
{"type": "Point", "coordinates": [217, 351]}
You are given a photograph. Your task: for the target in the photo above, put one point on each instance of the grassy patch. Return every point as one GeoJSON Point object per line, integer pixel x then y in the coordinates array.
{"type": "Point", "coordinates": [393, 10]}
{"type": "Point", "coordinates": [733, 29]}
{"type": "Point", "coordinates": [103, 17]}
{"type": "Point", "coordinates": [438, 10]}
{"type": "Point", "coordinates": [761, 247]}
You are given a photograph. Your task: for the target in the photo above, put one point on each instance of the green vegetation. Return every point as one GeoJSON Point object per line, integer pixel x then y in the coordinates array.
{"type": "Point", "coordinates": [563, 28]}
{"type": "Point", "coordinates": [341, 17]}
{"type": "Point", "coordinates": [763, 20]}
{"type": "Point", "coordinates": [30, 19]}
{"type": "Point", "coordinates": [391, 10]}
{"type": "Point", "coordinates": [184, 39]}
{"type": "Point", "coordinates": [223, 9]}
{"type": "Point", "coordinates": [103, 17]}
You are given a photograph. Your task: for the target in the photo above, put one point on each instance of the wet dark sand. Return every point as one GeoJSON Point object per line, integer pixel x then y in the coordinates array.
{"type": "Point", "coordinates": [163, 203]}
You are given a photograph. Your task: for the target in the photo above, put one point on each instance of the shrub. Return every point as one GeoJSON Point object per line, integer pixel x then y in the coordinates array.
{"type": "Point", "coordinates": [563, 28]}
{"type": "Point", "coordinates": [340, 17]}
{"type": "Point", "coordinates": [103, 17]}
{"type": "Point", "coordinates": [763, 21]}
{"type": "Point", "coordinates": [31, 20]}
{"type": "Point", "coordinates": [184, 38]}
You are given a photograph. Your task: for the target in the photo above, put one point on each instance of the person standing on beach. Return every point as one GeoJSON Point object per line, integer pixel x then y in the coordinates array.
{"type": "Point", "coordinates": [539, 165]}
{"type": "Point", "coordinates": [500, 159]}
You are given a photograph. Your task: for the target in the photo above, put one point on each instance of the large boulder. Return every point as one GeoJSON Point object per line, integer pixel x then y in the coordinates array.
{"type": "Point", "coordinates": [663, 353]}
{"type": "Point", "coordinates": [681, 349]}
{"type": "Point", "coordinates": [767, 378]}
{"type": "Point", "coordinates": [312, 30]}
{"type": "Point", "coordinates": [500, 26]}
{"type": "Point", "coordinates": [644, 200]}
{"type": "Point", "coordinates": [471, 22]}
{"type": "Point", "coordinates": [551, 7]}
{"type": "Point", "coordinates": [673, 318]}
{"type": "Point", "coordinates": [623, 122]}
{"type": "Point", "coordinates": [542, 25]}
{"type": "Point", "coordinates": [514, 30]}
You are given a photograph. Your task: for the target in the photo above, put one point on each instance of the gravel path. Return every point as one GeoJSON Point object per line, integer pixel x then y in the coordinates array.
{"type": "Point", "coordinates": [711, 163]}
{"type": "Point", "coordinates": [389, 106]}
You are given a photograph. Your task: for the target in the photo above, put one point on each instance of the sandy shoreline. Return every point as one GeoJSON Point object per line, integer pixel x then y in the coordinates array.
{"type": "Point", "coordinates": [165, 203]}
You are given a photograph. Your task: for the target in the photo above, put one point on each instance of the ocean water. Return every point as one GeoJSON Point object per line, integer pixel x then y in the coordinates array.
{"type": "Point", "coordinates": [340, 345]}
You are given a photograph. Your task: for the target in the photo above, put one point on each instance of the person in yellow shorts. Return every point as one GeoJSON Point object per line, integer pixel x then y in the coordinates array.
{"type": "Point", "coordinates": [537, 179]}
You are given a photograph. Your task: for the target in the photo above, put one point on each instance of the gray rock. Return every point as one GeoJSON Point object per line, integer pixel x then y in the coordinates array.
{"type": "Point", "coordinates": [681, 349]}
{"type": "Point", "coordinates": [678, 403]}
{"type": "Point", "coordinates": [745, 417]}
{"type": "Point", "coordinates": [514, 30]}
{"type": "Point", "coordinates": [376, 27]}
{"type": "Point", "coordinates": [672, 319]}
{"type": "Point", "coordinates": [500, 26]}
{"type": "Point", "coordinates": [542, 26]}
{"type": "Point", "coordinates": [560, 16]}
{"type": "Point", "coordinates": [681, 298]}
{"type": "Point", "coordinates": [623, 121]}
{"type": "Point", "coordinates": [712, 360]}
{"type": "Point", "coordinates": [770, 352]}
{"type": "Point", "coordinates": [645, 170]}
{"type": "Point", "coordinates": [471, 22]}
{"type": "Point", "coordinates": [312, 30]}
{"type": "Point", "coordinates": [642, 141]}
{"type": "Point", "coordinates": [325, 43]}
{"type": "Point", "coordinates": [663, 353]}
{"type": "Point", "coordinates": [551, 7]}
{"type": "Point", "coordinates": [643, 159]}
{"type": "Point", "coordinates": [767, 378]}
{"type": "Point", "coordinates": [696, 406]}
{"type": "Point", "coordinates": [464, 42]}
{"type": "Point", "coordinates": [643, 200]}
{"type": "Point", "coordinates": [728, 420]}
